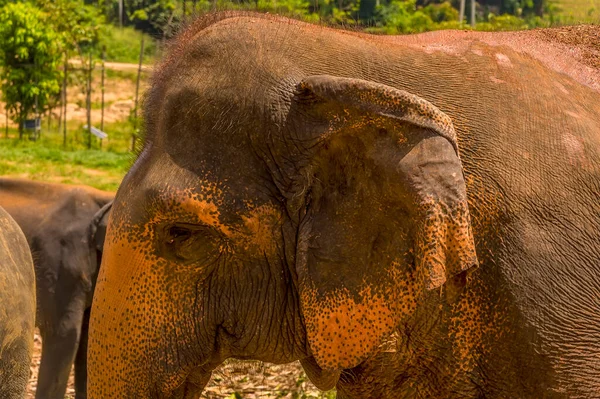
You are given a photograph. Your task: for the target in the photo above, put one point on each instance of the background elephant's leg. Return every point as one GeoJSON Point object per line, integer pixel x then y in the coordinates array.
{"type": "Point", "coordinates": [58, 353]}
{"type": "Point", "coordinates": [59, 347]}
{"type": "Point", "coordinates": [81, 359]}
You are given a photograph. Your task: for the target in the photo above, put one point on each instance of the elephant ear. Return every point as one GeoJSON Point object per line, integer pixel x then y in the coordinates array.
{"type": "Point", "coordinates": [386, 213]}
{"type": "Point", "coordinates": [98, 226]}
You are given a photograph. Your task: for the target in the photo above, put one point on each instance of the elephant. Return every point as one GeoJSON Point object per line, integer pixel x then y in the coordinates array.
{"type": "Point", "coordinates": [17, 309]}
{"type": "Point", "coordinates": [64, 228]}
{"type": "Point", "coordinates": [409, 216]}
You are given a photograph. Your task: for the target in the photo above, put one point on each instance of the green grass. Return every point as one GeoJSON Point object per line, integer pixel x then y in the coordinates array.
{"type": "Point", "coordinates": [123, 45]}
{"type": "Point", "coordinates": [122, 75]}
{"type": "Point", "coordinates": [46, 159]}
{"type": "Point", "coordinates": [577, 11]}
{"type": "Point", "coordinates": [100, 169]}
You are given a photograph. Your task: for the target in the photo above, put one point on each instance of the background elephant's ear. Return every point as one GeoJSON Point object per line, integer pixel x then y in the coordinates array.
{"type": "Point", "coordinates": [386, 215]}
{"type": "Point", "coordinates": [98, 226]}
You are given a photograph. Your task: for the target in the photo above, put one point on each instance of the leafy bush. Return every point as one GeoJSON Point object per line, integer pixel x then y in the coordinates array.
{"type": "Point", "coordinates": [283, 6]}
{"type": "Point", "coordinates": [405, 17]}
{"type": "Point", "coordinates": [502, 23]}
{"type": "Point", "coordinates": [30, 52]}
{"type": "Point", "coordinates": [443, 12]}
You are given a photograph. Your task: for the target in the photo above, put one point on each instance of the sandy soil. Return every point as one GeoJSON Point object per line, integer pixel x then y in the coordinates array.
{"type": "Point", "coordinates": [249, 379]}
{"type": "Point", "coordinates": [119, 96]}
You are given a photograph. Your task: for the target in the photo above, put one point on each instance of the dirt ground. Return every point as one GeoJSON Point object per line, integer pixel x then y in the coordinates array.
{"type": "Point", "coordinates": [119, 95]}
{"type": "Point", "coordinates": [247, 379]}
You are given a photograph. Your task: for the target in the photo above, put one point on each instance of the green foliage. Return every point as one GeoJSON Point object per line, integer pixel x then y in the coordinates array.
{"type": "Point", "coordinates": [30, 52]}
{"type": "Point", "coordinates": [405, 17]}
{"type": "Point", "coordinates": [335, 11]}
{"type": "Point", "coordinates": [283, 6]}
{"type": "Point", "coordinates": [502, 23]}
{"type": "Point", "coordinates": [123, 45]}
{"type": "Point", "coordinates": [150, 15]}
{"type": "Point", "coordinates": [80, 26]}
{"type": "Point", "coordinates": [443, 12]}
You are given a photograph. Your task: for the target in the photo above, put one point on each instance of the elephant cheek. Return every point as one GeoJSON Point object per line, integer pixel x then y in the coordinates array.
{"type": "Point", "coordinates": [345, 329]}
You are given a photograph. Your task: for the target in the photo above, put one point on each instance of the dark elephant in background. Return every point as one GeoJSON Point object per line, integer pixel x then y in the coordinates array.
{"type": "Point", "coordinates": [64, 228]}
{"type": "Point", "coordinates": [410, 217]}
{"type": "Point", "coordinates": [17, 309]}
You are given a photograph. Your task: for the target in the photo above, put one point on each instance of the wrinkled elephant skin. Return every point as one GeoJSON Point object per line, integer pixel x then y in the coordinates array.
{"type": "Point", "coordinates": [17, 309]}
{"type": "Point", "coordinates": [411, 216]}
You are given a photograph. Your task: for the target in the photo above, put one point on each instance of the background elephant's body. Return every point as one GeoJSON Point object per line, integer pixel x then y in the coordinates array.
{"type": "Point", "coordinates": [17, 309]}
{"type": "Point", "coordinates": [58, 223]}
{"type": "Point", "coordinates": [526, 120]}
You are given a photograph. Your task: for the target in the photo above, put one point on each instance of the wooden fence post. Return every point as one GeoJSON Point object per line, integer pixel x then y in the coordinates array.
{"type": "Point", "coordinates": [102, 84]}
{"type": "Point", "coordinates": [89, 103]}
{"type": "Point", "coordinates": [66, 69]}
{"type": "Point", "coordinates": [137, 90]}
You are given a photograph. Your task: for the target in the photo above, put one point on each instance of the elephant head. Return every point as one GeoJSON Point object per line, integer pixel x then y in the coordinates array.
{"type": "Point", "coordinates": [307, 233]}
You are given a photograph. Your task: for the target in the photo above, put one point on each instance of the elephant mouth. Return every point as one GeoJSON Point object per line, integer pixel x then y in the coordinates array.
{"type": "Point", "coordinates": [192, 386]}
{"type": "Point", "coordinates": [187, 390]}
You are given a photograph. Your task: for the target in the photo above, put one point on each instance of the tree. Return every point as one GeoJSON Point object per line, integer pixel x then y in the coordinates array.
{"type": "Point", "coordinates": [78, 25]}
{"type": "Point", "coordinates": [150, 16]}
{"type": "Point", "coordinates": [30, 54]}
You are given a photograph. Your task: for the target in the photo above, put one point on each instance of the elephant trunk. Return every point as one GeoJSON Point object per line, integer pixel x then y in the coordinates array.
{"type": "Point", "coordinates": [134, 318]}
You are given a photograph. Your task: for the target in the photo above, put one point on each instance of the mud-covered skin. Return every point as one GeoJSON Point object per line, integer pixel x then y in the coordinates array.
{"type": "Point", "coordinates": [58, 221]}
{"type": "Point", "coordinates": [313, 194]}
{"type": "Point", "coordinates": [17, 309]}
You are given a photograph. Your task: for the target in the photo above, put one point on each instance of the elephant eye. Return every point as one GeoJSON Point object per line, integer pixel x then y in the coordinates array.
{"type": "Point", "coordinates": [189, 243]}
{"type": "Point", "coordinates": [178, 234]}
